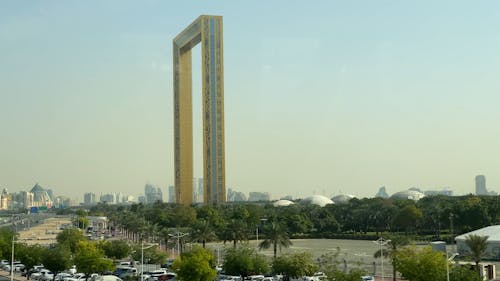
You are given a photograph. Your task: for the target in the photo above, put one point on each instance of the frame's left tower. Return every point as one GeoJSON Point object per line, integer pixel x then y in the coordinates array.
{"type": "Point", "coordinates": [208, 31]}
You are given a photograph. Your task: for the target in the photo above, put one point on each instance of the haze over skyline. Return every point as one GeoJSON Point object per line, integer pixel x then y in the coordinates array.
{"type": "Point", "coordinates": [326, 98]}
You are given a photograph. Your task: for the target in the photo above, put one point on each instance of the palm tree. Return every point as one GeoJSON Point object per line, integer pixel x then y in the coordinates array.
{"type": "Point", "coordinates": [203, 232]}
{"type": "Point", "coordinates": [477, 245]}
{"type": "Point", "coordinates": [235, 230]}
{"type": "Point", "coordinates": [275, 234]}
{"type": "Point", "coordinates": [394, 244]}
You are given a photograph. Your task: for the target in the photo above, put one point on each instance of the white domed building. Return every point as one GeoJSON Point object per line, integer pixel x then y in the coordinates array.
{"type": "Point", "coordinates": [342, 198]}
{"type": "Point", "coordinates": [408, 194]}
{"type": "Point", "coordinates": [318, 200]}
{"type": "Point", "coordinates": [282, 203]}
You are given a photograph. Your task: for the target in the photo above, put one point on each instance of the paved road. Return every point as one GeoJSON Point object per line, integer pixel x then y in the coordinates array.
{"type": "Point", "coordinates": [5, 276]}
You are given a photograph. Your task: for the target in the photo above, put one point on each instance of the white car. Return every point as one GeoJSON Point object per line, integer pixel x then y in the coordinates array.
{"type": "Point", "coordinates": [76, 277]}
{"type": "Point", "coordinates": [18, 266]}
{"type": "Point", "coordinates": [46, 276]}
{"type": "Point", "coordinates": [107, 278]}
{"type": "Point", "coordinates": [62, 275]}
{"type": "Point", "coordinates": [367, 278]}
{"type": "Point", "coordinates": [39, 274]}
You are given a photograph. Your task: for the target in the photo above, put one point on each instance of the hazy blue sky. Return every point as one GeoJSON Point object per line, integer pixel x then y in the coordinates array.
{"type": "Point", "coordinates": [322, 97]}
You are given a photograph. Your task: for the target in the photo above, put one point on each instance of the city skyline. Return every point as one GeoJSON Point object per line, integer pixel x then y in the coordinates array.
{"type": "Point", "coordinates": [322, 98]}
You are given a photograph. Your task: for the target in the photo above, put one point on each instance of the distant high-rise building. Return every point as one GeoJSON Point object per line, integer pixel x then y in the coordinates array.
{"type": "Point", "coordinates": [197, 190]}
{"type": "Point", "coordinates": [62, 202]}
{"type": "Point", "coordinates": [109, 198]}
{"type": "Point", "coordinates": [481, 185]}
{"type": "Point", "coordinates": [120, 198]}
{"type": "Point", "coordinates": [5, 200]}
{"type": "Point", "coordinates": [152, 194]}
{"type": "Point", "coordinates": [382, 193]}
{"type": "Point", "coordinates": [235, 196]}
{"type": "Point", "coordinates": [128, 199]}
{"type": "Point", "coordinates": [259, 196]}
{"type": "Point", "coordinates": [89, 199]}
{"type": "Point", "coordinates": [171, 194]}
{"type": "Point", "coordinates": [24, 199]}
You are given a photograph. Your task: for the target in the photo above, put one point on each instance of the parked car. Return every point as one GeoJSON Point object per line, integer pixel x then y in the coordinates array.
{"type": "Point", "coordinates": [42, 273]}
{"type": "Point", "coordinates": [62, 275]}
{"type": "Point", "coordinates": [107, 278]}
{"type": "Point", "coordinates": [46, 276]}
{"type": "Point", "coordinates": [76, 277]}
{"type": "Point", "coordinates": [35, 268]}
{"type": "Point", "coordinates": [72, 270]}
{"type": "Point", "coordinates": [18, 266]}
{"type": "Point", "coordinates": [367, 278]}
{"type": "Point", "coordinates": [157, 273]}
{"type": "Point", "coordinates": [230, 278]}
{"type": "Point", "coordinates": [167, 276]}
{"type": "Point", "coordinates": [126, 271]}
{"type": "Point", "coordinates": [255, 277]}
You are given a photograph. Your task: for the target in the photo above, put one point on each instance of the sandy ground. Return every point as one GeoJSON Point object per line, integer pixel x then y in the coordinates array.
{"type": "Point", "coordinates": [45, 233]}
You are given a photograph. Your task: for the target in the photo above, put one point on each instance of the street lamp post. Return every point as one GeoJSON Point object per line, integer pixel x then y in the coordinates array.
{"type": "Point", "coordinates": [178, 235]}
{"type": "Point", "coordinates": [382, 242]}
{"type": "Point", "coordinates": [142, 257]}
{"type": "Point", "coordinates": [12, 261]}
{"type": "Point", "coordinates": [448, 259]}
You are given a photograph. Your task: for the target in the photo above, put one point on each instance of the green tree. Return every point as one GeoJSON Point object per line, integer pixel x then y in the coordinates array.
{"type": "Point", "coordinates": [461, 273]}
{"type": "Point", "coordinates": [116, 249]}
{"type": "Point", "coordinates": [408, 218]}
{"type": "Point", "coordinates": [70, 237]}
{"type": "Point", "coordinates": [235, 231]}
{"type": "Point", "coordinates": [295, 265]}
{"type": "Point", "coordinates": [203, 232]}
{"type": "Point", "coordinates": [244, 261]}
{"type": "Point", "coordinates": [477, 245]}
{"type": "Point", "coordinates": [275, 235]}
{"type": "Point", "coordinates": [183, 216]}
{"type": "Point", "coordinates": [329, 264]}
{"type": "Point", "coordinates": [197, 264]}
{"type": "Point", "coordinates": [391, 248]}
{"type": "Point", "coordinates": [90, 259]}
{"type": "Point", "coordinates": [57, 259]}
{"type": "Point", "coordinates": [6, 236]}
{"type": "Point", "coordinates": [30, 255]}
{"type": "Point", "coordinates": [420, 264]}
{"type": "Point", "coordinates": [152, 255]}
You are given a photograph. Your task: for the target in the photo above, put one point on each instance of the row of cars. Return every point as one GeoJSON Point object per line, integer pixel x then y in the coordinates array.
{"type": "Point", "coordinates": [161, 274]}
{"type": "Point", "coordinates": [6, 265]}
{"type": "Point", "coordinates": [318, 276]}
{"type": "Point", "coordinates": [39, 273]}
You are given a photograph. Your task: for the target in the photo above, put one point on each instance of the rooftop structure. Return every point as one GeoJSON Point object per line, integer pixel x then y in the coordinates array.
{"type": "Point", "coordinates": [318, 200]}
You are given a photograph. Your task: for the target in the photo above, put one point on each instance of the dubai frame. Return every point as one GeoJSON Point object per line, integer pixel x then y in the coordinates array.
{"type": "Point", "coordinates": [208, 31]}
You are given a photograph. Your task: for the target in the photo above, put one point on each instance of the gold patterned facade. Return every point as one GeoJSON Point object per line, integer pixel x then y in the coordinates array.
{"type": "Point", "coordinates": [208, 31]}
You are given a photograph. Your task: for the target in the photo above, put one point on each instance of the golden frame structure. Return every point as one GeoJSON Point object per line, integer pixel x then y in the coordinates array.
{"type": "Point", "coordinates": [207, 30]}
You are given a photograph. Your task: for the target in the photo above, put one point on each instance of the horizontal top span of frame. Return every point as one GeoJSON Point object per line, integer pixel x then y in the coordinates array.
{"type": "Point", "coordinates": [191, 35]}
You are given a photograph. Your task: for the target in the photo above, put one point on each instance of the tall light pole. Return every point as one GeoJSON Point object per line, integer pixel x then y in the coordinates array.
{"type": "Point", "coordinates": [448, 259]}
{"type": "Point", "coordinates": [178, 235]}
{"type": "Point", "coordinates": [142, 257]}
{"type": "Point", "coordinates": [382, 242]}
{"type": "Point", "coordinates": [12, 261]}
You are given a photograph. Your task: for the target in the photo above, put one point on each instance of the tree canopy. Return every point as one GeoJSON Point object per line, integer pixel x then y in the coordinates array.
{"type": "Point", "coordinates": [197, 264]}
{"type": "Point", "coordinates": [244, 261]}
